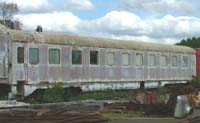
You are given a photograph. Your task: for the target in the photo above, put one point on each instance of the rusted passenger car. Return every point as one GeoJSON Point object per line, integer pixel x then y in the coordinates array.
{"type": "Point", "coordinates": [30, 60]}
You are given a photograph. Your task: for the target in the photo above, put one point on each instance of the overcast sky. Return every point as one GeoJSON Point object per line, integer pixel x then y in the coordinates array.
{"type": "Point", "coordinates": [159, 21]}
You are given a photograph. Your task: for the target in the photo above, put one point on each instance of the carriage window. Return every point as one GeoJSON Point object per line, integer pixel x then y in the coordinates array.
{"type": "Point", "coordinates": [174, 61]}
{"type": "Point", "coordinates": [94, 57]}
{"type": "Point", "coordinates": [76, 57]}
{"type": "Point", "coordinates": [125, 59]}
{"type": "Point", "coordinates": [184, 61]}
{"type": "Point", "coordinates": [20, 54]}
{"type": "Point", "coordinates": [110, 58]}
{"type": "Point", "coordinates": [163, 60]}
{"type": "Point", "coordinates": [152, 60]}
{"type": "Point", "coordinates": [54, 56]}
{"type": "Point", "coordinates": [139, 59]}
{"type": "Point", "coordinates": [33, 55]}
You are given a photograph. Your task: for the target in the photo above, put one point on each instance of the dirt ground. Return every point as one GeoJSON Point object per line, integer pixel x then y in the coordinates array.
{"type": "Point", "coordinates": [148, 121]}
{"type": "Point", "coordinates": [156, 120]}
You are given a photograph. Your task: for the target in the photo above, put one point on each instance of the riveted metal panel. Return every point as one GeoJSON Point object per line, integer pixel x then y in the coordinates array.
{"type": "Point", "coordinates": [3, 56]}
{"type": "Point", "coordinates": [86, 73]}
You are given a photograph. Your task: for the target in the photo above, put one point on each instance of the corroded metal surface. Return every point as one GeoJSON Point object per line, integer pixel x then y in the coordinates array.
{"type": "Point", "coordinates": [28, 37]}
{"type": "Point", "coordinates": [3, 57]}
{"type": "Point", "coordinates": [66, 72]}
{"type": "Point", "coordinates": [88, 77]}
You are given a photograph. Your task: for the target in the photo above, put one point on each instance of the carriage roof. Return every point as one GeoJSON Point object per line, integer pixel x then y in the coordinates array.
{"type": "Point", "coordinates": [60, 39]}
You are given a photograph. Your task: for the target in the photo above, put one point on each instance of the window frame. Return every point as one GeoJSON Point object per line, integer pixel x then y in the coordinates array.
{"type": "Point", "coordinates": [155, 64]}
{"type": "Point", "coordinates": [176, 61]}
{"type": "Point", "coordinates": [125, 53]}
{"type": "Point", "coordinates": [114, 62]}
{"type": "Point", "coordinates": [163, 65]}
{"type": "Point", "coordinates": [38, 58]}
{"type": "Point", "coordinates": [97, 57]}
{"type": "Point", "coordinates": [136, 58]}
{"type": "Point", "coordinates": [182, 65]}
{"type": "Point", "coordinates": [54, 48]}
{"type": "Point", "coordinates": [18, 58]}
{"type": "Point", "coordinates": [81, 61]}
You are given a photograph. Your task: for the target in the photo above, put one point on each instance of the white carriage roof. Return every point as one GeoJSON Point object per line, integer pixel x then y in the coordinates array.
{"type": "Point", "coordinates": [59, 39]}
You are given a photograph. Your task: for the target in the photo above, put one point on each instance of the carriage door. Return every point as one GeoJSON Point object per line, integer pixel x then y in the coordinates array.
{"type": "Point", "coordinates": [33, 64]}
{"type": "Point", "coordinates": [21, 70]}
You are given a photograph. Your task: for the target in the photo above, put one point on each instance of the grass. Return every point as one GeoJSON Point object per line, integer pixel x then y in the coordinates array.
{"type": "Point", "coordinates": [196, 80]}
{"type": "Point", "coordinates": [3, 97]}
{"type": "Point", "coordinates": [59, 94]}
{"type": "Point", "coordinates": [104, 95]}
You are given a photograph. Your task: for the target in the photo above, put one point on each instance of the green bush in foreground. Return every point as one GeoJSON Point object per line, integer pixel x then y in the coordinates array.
{"type": "Point", "coordinates": [104, 95]}
{"type": "Point", "coordinates": [3, 97]}
{"type": "Point", "coordinates": [56, 93]}
{"type": "Point", "coordinates": [196, 79]}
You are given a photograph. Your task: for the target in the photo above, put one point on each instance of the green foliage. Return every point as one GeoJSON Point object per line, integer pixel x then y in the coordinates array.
{"type": "Point", "coordinates": [104, 95]}
{"type": "Point", "coordinates": [3, 97]}
{"type": "Point", "coordinates": [196, 79]}
{"type": "Point", "coordinates": [191, 42]}
{"type": "Point", "coordinates": [57, 93]}
{"type": "Point", "coordinates": [39, 28]}
{"type": "Point", "coordinates": [53, 94]}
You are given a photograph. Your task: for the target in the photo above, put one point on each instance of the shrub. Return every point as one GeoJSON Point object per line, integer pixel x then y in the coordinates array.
{"type": "Point", "coordinates": [104, 95]}
{"type": "Point", "coordinates": [54, 94]}
{"type": "Point", "coordinates": [196, 79]}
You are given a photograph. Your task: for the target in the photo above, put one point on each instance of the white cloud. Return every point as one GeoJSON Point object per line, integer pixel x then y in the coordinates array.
{"type": "Point", "coordinates": [118, 25]}
{"type": "Point", "coordinates": [122, 24]}
{"type": "Point", "coordinates": [28, 6]}
{"type": "Point", "coordinates": [55, 21]}
{"type": "Point", "coordinates": [80, 4]}
{"type": "Point", "coordinates": [162, 7]}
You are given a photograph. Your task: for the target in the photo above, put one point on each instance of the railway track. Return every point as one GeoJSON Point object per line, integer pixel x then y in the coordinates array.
{"type": "Point", "coordinates": [54, 119]}
{"type": "Point", "coordinates": [194, 120]}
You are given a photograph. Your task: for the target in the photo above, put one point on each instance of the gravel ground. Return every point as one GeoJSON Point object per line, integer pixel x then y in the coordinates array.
{"type": "Point", "coordinates": [148, 121]}
{"type": "Point", "coordinates": [156, 120]}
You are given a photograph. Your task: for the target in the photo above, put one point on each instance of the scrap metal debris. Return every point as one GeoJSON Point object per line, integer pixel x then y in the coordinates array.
{"type": "Point", "coordinates": [70, 118]}
{"type": "Point", "coordinates": [12, 104]}
{"type": "Point", "coordinates": [194, 120]}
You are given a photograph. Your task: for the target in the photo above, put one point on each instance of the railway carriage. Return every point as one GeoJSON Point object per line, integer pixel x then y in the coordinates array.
{"type": "Point", "coordinates": [31, 61]}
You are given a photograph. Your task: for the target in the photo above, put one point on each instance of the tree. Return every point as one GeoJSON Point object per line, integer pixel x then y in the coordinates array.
{"type": "Point", "coordinates": [39, 28]}
{"type": "Point", "coordinates": [7, 11]}
{"type": "Point", "coordinates": [191, 42]}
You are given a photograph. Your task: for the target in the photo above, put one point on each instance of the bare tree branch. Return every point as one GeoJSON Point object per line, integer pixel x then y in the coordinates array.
{"type": "Point", "coordinates": [7, 10]}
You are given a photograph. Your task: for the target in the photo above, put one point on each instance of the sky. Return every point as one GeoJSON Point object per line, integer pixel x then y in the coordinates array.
{"type": "Point", "coordinates": [157, 21]}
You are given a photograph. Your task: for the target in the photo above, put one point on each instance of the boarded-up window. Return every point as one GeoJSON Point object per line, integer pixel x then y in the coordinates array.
{"type": "Point", "coordinates": [152, 60]}
{"type": "Point", "coordinates": [76, 57]}
{"type": "Point", "coordinates": [33, 55]}
{"type": "Point", "coordinates": [94, 57]}
{"type": "Point", "coordinates": [163, 60]}
{"type": "Point", "coordinates": [54, 56]}
{"type": "Point", "coordinates": [125, 59]}
{"type": "Point", "coordinates": [20, 55]}
{"type": "Point", "coordinates": [110, 58]}
{"type": "Point", "coordinates": [184, 61]}
{"type": "Point", "coordinates": [139, 59]}
{"type": "Point", "coordinates": [174, 61]}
